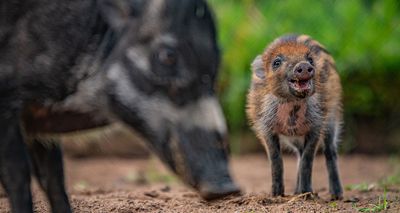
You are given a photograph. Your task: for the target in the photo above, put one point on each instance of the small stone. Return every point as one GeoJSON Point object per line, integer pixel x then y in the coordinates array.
{"type": "Point", "coordinates": [151, 194]}
{"type": "Point", "coordinates": [352, 200]}
{"type": "Point", "coordinates": [165, 189]}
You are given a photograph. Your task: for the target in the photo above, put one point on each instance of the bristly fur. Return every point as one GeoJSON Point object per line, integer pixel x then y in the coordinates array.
{"type": "Point", "coordinates": [275, 113]}
{"type": "Point", "coordinates": [68, 66]}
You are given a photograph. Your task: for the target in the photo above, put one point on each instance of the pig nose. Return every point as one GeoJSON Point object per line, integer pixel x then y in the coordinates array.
{"type": "Point", "coordinates": [305, 68]}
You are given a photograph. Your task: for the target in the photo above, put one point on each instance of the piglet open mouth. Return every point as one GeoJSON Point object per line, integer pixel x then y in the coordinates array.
{"type": "Point", "coordinates": [301, 85]}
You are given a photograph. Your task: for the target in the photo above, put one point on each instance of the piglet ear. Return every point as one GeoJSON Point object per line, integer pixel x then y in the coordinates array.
{"type": "Point", "coordinates": [117, 12]}
{"type": "Point", "coordinates": [258, 67]}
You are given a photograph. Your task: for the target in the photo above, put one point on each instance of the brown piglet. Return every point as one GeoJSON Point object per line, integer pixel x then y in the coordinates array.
{"type": "Point", "coordinates": [295, 100]}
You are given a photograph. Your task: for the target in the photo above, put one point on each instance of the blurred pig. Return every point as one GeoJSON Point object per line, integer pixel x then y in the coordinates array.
{"type": "Point", "coordinates": [72, 65]}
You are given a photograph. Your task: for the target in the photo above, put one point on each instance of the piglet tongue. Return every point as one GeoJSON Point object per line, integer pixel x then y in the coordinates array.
{"type": "Point", "coordinates": [302, 84]}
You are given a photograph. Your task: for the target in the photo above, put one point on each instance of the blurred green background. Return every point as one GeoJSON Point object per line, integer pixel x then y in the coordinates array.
{"type": "Point", "coordinates": [363, 37]}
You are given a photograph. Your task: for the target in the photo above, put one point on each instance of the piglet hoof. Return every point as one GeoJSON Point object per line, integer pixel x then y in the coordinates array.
{"type": "Point", "coordinates": [216, 191]}
{"type": "Point", "coordinates": [281, 194]}
{"type": "Point", "coordinates": [335, 197]}
{"type": "Point", "coordinates": [310, 196]}
{"type": "Point", "coordinates": [278, 191]}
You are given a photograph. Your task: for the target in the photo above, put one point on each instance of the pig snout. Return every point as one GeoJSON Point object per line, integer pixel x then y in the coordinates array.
{"type": "Point", "coordinates": [303, 71]}
{"type": "Point", "coordinates": [205, 163]}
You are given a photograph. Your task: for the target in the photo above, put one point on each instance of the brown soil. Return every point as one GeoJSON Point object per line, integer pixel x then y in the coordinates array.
{"type": "Point", "coordinates": [144, 185]}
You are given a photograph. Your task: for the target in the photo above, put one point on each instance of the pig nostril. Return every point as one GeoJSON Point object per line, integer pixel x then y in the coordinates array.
{"type": "Point", "coordinates": [310, 69]}
{"type": "Point", "coordinates": [300, 70]}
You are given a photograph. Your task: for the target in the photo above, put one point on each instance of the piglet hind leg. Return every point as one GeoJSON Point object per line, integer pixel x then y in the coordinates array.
{"type": "Point", "coordinates": [275, 157]}
{"type": "Point", "coordinates": [330, 152]}
{"type": "Point", "coordinates": [304, 182]}
{"type": "Point", "coordinates": [48, 169]}
{"type": "Point", "coordinates": [299, 153]}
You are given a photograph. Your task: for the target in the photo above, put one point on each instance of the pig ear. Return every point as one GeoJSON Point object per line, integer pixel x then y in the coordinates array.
{"type": "Point", "coordinates": [118, 12]}
{"type": "Point", "coordinates": [258, 67]}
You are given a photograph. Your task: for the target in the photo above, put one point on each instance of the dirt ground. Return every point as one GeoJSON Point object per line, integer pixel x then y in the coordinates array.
{"type": "Point", "coordinates": [144, 185]}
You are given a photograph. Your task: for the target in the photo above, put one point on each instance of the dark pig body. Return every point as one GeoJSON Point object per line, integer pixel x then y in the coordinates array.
{"type": "Point", "coordinates": [72, 65]}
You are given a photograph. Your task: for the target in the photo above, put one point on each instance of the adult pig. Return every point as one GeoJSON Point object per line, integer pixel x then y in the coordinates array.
{"type": "Point", "coordinates": [72, 65]}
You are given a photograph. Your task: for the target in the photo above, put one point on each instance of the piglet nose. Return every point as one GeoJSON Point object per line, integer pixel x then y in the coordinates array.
{"type": "Point", "coordinates": [304, 68]}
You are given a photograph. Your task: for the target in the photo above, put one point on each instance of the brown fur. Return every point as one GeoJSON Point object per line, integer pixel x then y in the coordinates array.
{"type": "Point", "coordinates": [291, 120]}
{"type": "Point", "coordinates": [327, 85]}
{"type": "Point", "coordinates": [38, 119]}
{"type": "Point", "coordinates": [277, 105]}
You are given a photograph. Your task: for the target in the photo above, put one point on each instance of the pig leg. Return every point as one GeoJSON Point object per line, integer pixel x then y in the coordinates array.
{"type": "Point", "coordinates": [335, 187]}
{"type": "Point", "coordinates": [48, 168]}
{"type": "Point", "coordinates": [274, 154]}
{"type": "Point", "coordinates": [299, 154]}
{"type": "Point", "coordinates": [306, 163]}
{"type": "Point", "coordinates": [14, 164]}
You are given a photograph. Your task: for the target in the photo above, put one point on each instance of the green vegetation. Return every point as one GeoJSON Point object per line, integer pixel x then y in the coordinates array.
{"type": "Point", "coordinates": [333, 204]}
{"type": "Point", "coordinates": [382, 205]}
{"type": "Point", "coordinates": [154, 175]}
{"type": "Point", "coordinates": [362, 35]}
{"type": "Point", "coordinates": [81, 185]}
{"type": "Point", "coordinates": [362, 187]}
{"type": "Point", "coordinates": [390, 182]}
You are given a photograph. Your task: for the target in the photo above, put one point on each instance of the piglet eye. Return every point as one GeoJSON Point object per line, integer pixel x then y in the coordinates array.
{"type": "Point", "coordinates": [277, 62]}
{"type": "Point", "coordinates": [310, 60]}
{"type": "Point", "coordinates": [167, 56]}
